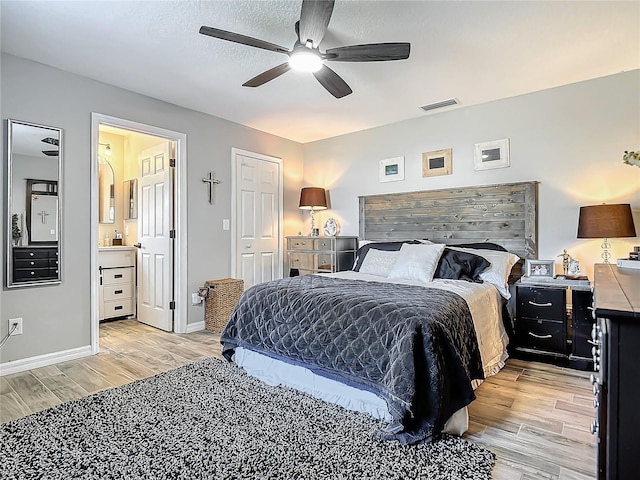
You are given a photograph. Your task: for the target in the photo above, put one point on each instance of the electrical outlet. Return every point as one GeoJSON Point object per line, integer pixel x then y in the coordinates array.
{"type": "Point", "coordinates": [12, 322]}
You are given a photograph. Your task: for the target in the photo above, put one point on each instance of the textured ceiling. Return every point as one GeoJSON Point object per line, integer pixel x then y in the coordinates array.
{"type": "Point", "coordinates": [474, 51]}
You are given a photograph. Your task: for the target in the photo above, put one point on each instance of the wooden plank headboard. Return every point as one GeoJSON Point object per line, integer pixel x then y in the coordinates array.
{"type": "Point", "coordinates": [505, 214]}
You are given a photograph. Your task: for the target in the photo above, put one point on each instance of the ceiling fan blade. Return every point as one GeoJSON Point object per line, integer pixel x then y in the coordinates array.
{"type": "Point", "coordinates": [372, 52]}
{"type": "Point", "coordinates": [242, 39]}
{"type": "Point", "coordinates": [314, 20]}
{"type": "Point", "coordinates": [267, 76]}
{"type": "Point", "coordinates": [332, 82]}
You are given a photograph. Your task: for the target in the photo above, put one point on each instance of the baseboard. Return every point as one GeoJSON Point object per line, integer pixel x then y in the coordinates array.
{"type": "Point", "coordinates": [44, 360]}
{"type": "Point", "coordinates": [195, 327]}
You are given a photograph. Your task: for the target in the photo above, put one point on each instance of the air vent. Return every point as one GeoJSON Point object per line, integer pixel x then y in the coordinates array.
{"type": "Point", "coordinates": [443, 103]}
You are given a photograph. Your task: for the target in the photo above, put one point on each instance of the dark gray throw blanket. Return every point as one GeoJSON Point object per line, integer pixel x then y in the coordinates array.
{"type": "Point", "coordinates": [415, 347]}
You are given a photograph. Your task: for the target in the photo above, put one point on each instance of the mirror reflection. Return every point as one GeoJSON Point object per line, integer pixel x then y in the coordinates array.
{"type": "Point", "coordinates": [130, 192]}
{"type": "Point", "coordinates": [106, 186]}
{"type": "Point", "coordinates": [33, 202]}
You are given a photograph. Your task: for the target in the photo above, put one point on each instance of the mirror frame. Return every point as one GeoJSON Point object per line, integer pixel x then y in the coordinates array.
{"type": "Point", "coordinates": [9, 203]}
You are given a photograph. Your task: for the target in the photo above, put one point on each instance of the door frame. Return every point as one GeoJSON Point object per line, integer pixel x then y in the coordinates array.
{"type": "Point", "coordinates": [180, 224]}
{"type": "Point", "coordinates": [234, 246]}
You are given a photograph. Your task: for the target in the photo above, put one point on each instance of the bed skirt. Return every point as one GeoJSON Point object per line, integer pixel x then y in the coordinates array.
{"type": "Point", "coordinates": [277, 372]}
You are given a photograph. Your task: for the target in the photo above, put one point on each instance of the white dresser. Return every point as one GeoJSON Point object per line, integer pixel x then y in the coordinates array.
{"type": "Point", "coordinates": [117, 267]}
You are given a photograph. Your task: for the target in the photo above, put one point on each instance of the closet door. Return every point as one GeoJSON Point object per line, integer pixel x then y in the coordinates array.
{"type": "Point", "coordinates": [258, 217]}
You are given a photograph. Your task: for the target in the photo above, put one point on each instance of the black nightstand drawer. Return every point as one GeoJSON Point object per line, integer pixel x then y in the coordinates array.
{"type": "Point", "coordinates": [549, 336]}
{"type": "Point", "coordinates": [542, 303]}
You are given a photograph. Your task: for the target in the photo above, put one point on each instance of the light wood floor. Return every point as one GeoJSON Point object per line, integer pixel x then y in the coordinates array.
{"type": "Point", "coordinates": [534, 417]}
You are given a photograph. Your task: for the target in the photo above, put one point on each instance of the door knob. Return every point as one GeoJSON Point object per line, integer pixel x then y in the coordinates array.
{"type": "Point", "coordinates": [248, 246]}
{"type": "Point", "coordinates": [138, 245]}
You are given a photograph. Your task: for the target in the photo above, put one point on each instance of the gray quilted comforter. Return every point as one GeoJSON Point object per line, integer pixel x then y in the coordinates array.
{"type": "Point", "coordinates": [415, 347]}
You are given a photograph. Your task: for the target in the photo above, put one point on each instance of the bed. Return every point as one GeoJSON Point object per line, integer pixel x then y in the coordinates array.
{"type": "Point", "coordinates": [409, 333]}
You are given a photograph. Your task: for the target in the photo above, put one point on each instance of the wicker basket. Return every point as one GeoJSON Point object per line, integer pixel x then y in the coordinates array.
{"type": "Point", "coordinates": [222, 297]}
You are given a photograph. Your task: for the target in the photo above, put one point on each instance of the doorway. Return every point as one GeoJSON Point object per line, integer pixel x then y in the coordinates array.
{"type": "Point", "coordinates": [153, 172]}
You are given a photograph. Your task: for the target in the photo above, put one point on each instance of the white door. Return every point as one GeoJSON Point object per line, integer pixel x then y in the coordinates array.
{"type": "Point", "coordinates": [155, 253]}
{"type": "Point", "coordinates": [258, 218]}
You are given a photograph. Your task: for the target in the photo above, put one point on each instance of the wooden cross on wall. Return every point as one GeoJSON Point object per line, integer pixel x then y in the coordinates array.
{"type": "Point", "coordinates": [44, 216]}
{"type": "Point", "coordinates": [211, 182]}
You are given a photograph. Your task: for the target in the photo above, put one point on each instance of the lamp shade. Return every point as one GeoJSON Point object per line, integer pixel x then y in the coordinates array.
{"type": "Point", "coordinates": [606, 221]}
{"type": "Point", "coordinates": [313, 198]}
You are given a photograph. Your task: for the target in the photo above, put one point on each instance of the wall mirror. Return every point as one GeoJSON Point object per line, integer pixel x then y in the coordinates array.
{"type": "Point", "coordinates": [106, 191]}
{"type": "Point", "coordinates": [33, 208]}
{"type": "Point", "coordinates": [130, 190]}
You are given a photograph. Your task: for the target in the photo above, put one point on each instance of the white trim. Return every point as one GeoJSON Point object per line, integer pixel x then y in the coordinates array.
{"type": "Point", "coordinates": [180, 272]}
{"type": "Point", "coordinates": [195, 327]}
{"type": "Point", "coordinates": [45, 360]}
{"type": "Point", "coordinates": [235, 152]}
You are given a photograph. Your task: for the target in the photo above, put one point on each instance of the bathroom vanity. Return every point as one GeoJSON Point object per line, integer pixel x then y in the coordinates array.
{"type": "Point", "coordinates": [117, 286]}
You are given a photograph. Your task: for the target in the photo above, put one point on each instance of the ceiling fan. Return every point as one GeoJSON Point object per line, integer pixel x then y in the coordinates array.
{"type": "Point", "coordinates": [305, 55]}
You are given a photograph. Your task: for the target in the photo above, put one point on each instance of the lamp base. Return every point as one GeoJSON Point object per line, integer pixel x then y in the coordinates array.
{"type": "Point", "coordinates": [606, 255]}
{"type": "Point", "coordinates": [314, 231]}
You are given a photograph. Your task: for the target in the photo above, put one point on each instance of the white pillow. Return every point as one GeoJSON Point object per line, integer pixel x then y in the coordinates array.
{"type": "Point", "coordinates": [416, 262]}
{"type": "Point", "coordinates": [378, 262]}
{"type": "Point", "coordinates": [498, 273]}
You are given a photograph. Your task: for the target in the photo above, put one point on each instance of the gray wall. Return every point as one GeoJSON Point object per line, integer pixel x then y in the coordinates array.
{"type": "Point", "coordinates": [571, 139]}
{"type": "Point", "coordinates": [57, 318]}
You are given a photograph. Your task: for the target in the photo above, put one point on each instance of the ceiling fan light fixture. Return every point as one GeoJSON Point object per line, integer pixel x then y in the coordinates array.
{"type": "Point", "coordinates": [305, 60]}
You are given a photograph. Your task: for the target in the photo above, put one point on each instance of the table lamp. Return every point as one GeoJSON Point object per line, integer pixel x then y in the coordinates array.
{"type": "Point", "coordinates": [606, 221]}
{"type": "Point", "coordinates": [313, 198]}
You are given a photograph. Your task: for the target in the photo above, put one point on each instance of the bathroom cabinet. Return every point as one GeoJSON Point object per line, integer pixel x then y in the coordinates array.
{"type": "Point", "coordinates": [117, 286]}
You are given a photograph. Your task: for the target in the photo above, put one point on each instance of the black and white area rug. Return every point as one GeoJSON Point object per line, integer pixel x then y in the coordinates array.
{"type": "Point", "coordinates": [209, 420]}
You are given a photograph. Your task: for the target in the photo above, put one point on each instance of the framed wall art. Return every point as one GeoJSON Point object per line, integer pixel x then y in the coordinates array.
{"type": "Point", "coordinates": [489, 155]}
{"type": "Point", "coordinates": [392, 169]}
{"type": "Point", "coordinates": [438, 162]}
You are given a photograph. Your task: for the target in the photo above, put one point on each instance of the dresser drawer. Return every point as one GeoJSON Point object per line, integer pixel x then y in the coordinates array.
{"type": "Point", "coordinates": [116, 292]}
{"type": "Point", "coordinates": [20, 275]}
{"type": "Point", "coordinates": [112, 276]}
{"type": "Point", "coordinates": [31, 263]}
{"type": "Point", "coordinates": [322, 244]}
{"type": "Point", "coordinates": [301, 244]}
{"type": "Point", "coordinates": [30, 253]}
{"type": "Point", "coordinates": [302, 261]}
{"type": "Point", "coordinates": [542, 303]}
{"type": "Point", "coordinates": [119, 308]}
{"type": "Point", "coordinates": [540, 334]}
{"type": "Point", "coordinates": [325, 262]}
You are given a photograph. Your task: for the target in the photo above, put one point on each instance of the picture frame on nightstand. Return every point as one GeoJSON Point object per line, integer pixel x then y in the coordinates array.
{"type": "Point", "coordinates": [540, 268]}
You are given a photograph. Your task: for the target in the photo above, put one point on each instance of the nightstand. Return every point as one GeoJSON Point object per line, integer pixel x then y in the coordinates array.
{"type": "Point", "coordinates": [553, 321]}
{"type": "Point", "coordinates": [320, 254]}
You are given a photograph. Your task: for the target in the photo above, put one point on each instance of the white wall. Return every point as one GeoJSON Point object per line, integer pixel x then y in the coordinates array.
{"type": "Point", "coordinates": [571, 139]}
{"type": "Point", "coordinates": [57, 318]}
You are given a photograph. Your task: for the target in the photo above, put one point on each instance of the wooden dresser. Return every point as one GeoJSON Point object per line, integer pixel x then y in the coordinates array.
{"type": "Point", "coordinates": [32, 263]}
{"type": "Point", "coordinates": [117, 266]}
{"type": "Point", "coordinates": [616, 383]}
{"type": "Point", "coordinates": [320, 254]}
